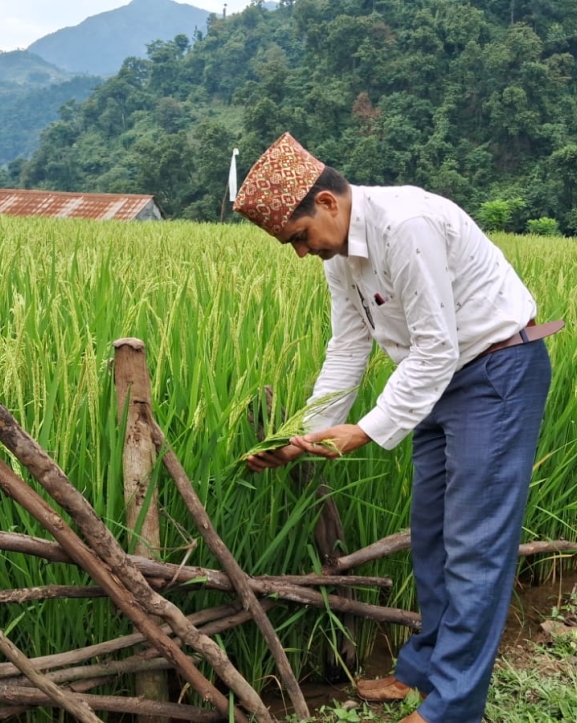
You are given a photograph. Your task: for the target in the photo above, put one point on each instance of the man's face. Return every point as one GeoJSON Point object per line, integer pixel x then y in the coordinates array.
{"type": "Point", "coordinates": [324, 234]}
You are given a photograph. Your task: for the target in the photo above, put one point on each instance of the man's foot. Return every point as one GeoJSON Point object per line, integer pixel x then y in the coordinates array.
{"type": "Point", "coordinates": [383, 690]}
{"type": "Point", "coordinates": [413, 718]}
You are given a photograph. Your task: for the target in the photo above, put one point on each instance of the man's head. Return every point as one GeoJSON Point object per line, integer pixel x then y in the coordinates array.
{"type": "Point", "coordinates": [297, 199]}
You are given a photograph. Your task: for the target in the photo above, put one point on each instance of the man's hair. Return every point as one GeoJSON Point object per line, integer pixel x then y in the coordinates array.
{"type": "Point", "coordinates": [329, 180]}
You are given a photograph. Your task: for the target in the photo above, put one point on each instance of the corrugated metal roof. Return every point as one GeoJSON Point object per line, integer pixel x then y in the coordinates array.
{"type": "Point", "coordinates": [60, 204]}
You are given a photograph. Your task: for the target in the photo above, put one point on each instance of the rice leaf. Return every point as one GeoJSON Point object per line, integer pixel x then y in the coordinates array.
{"type": "Point", "coordinates": [296, 425]}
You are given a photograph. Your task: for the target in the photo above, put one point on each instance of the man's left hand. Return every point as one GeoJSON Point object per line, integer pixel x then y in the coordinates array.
{"type": "Point", "coordinates": [345, 437]}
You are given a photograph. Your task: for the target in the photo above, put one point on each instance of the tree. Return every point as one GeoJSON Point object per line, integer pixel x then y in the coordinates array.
{"type": "Point", "coordinates": [563, 168]}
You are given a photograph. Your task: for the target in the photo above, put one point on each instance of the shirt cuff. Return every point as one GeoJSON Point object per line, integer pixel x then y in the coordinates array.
{"type": "Point", "coordinates": [381, 430]}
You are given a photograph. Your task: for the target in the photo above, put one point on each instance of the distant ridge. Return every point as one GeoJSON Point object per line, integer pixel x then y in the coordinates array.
{"type": "Point", "coordinates": [100, 44]}
{"type": "Point", "coordinates": [21, 68]}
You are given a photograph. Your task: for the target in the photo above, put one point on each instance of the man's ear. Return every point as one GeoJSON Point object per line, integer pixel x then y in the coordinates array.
{"type": "Point", "coordinates": [327, 200]}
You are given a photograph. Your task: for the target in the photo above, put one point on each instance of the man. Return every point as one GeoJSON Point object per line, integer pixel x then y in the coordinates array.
{"type": "Point", "coordinates": [413, 272]}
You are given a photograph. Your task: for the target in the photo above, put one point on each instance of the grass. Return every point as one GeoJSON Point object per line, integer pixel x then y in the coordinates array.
{"type": "Point", "coordinates": [223, 311]}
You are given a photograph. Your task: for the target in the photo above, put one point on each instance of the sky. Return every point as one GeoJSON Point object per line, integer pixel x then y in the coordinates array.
{"type": "Point", "coordinates": [24, 21]}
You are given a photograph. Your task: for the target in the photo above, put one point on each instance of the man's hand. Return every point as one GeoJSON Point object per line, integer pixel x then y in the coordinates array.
{"type": "Point", "coordinates": [277, 458]}
{"type": "Point", "coordinates": [345, 437]}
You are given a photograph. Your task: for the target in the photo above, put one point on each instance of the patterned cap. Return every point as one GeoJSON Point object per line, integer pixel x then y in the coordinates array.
{"type": "Point", "coordinates": [277, 183]}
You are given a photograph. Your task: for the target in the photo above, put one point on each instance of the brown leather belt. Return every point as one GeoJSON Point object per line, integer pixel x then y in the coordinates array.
{"type": "Point", "coordinates": [531, 332]}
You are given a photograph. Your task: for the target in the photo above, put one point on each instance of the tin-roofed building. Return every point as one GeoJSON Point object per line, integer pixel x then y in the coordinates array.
{"type": "Point", "coordinates": [61, 204]}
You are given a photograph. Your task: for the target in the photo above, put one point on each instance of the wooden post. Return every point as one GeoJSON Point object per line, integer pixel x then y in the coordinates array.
{"type": "Point", "coordinates": [133, 395]}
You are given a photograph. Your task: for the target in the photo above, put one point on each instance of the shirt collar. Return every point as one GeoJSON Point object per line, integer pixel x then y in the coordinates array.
{"type": "Point", "coordinates": [357, 242]}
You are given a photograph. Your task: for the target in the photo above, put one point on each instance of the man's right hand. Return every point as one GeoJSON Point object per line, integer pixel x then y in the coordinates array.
{"type": "Point", "coordinates": [277, 458]}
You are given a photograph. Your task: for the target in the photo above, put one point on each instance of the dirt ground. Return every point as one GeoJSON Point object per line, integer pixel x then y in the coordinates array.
{"type": "Point", "coordinates": [532, 604]}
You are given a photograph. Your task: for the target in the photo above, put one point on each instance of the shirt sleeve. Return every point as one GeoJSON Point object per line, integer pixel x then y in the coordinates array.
{"type": "Point", "coordinates": [345, 360]}
{"type": "Point", "coordinates": [418, 265]}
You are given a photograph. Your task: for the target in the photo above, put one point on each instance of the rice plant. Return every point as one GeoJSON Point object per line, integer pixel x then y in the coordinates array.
{"type": "Point", "coordinates": [224, 312]}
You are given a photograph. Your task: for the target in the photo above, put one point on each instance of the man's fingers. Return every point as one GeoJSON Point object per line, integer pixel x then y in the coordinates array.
{"type": "Point", "coordinates": [313, 447]}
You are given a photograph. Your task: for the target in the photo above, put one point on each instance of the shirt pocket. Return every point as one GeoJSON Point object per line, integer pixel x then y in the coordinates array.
{"type": "Point", "coordinates": [391, 332]}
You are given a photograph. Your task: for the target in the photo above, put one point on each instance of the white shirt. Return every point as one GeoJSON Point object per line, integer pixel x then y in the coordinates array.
{"type": "Point", "coordinates": [438, 293]}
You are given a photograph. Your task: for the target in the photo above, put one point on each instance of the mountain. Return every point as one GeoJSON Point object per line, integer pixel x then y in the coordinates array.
{"type": "Point", "coordinates": [100, 44]}
{"type": "Point", "coordinates": [20, 68]}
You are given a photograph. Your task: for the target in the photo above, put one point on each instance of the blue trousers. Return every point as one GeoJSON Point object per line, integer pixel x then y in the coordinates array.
{"type": "Point", "coordinates": [473, 457]}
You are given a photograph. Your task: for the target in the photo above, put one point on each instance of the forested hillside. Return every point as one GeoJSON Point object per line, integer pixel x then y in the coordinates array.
{"type": "Point", "coordinates": [26, 110]}
{"type": "Point", "coordinates": [19, 68]}
{"type": "Point", "coordinates": [473, 99]}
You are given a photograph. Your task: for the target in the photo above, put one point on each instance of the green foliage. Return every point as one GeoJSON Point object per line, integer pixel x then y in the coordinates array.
{"type": "Point", "coordinates": [20, 68]}
{"type": "Point", "coordinates": [543, 226]}
{"type": "Point", "coordinates": [25, 111]}
{"type": "Point", "coordinates": [544, 693]}
{"type": "Point", "coordinates": [338, 713]}
{"type": "Point", "coordinates": [498, 215]}
{"type": "Point", "coordinates": [473, 100]}
{"type": "Point", "coordinates": [571, 222]}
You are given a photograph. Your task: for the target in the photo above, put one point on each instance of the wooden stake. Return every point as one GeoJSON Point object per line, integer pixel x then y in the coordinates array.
{"type": "Point", "coordinates": [133, 394]}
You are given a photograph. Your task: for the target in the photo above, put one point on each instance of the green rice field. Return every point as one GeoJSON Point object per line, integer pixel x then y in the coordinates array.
{"type": "Point", "coordinates": [223, 310]}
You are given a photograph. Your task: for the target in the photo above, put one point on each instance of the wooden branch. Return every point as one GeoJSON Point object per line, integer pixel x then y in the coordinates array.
{"type": "Point", "coordinates": [134, 664]}
{"type": "Point", "coordinates": [100, 572]}
{"type": "Point", "coordinates": [541, 546]}
{"type": "Point", "coordinates": [313, 580]}
{"type": "Point", "coordinates": [212, 619]}
{"type": "Point", "coordinates": [294, 593]}
{"type": "Point", "coordinates": [86, 677]}
{"type": "Point", "coordinates": [103, 543]}
{"type": "Point", "coordinates": [80, 687]}
{"type": "Point", "coordinates": [51, 550]}
{"type": "Point", "coordinates": [235, 573]}
{"type": "Point", "coordinates": [21, 696]}
{"type": "Point", "coordinates": [219, 581]}
{"type": "Point", "coordinates": [50, 592]}
{"type": "Point", "coordinates": [402, 541]}
{"type": "Point", "coordinates": [28, 545]}
{"type": "Point", "coordinates": [17, 542]}
{"type": "Point", "coordinates": [303, 596]}
{"type": "Point", "coordinates": [382, 548]}
{"type": "Point", "coordinates": [130, 665]}
{"type": "Point", "coordinates": [76, 707]}
{"type": "Point", "coordinates": [144, 660]}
